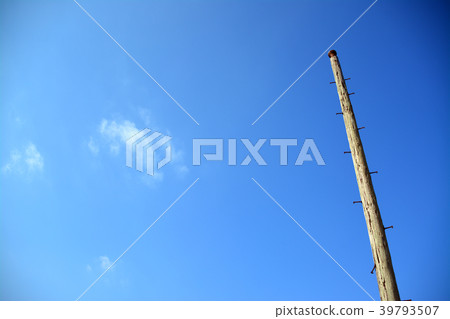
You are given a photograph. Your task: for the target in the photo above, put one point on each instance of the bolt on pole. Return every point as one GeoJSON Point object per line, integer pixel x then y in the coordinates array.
{"type": "Point", "coordinates": [387, 284]}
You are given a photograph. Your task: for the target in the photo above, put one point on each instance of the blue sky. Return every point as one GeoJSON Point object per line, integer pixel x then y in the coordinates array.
{"type": "Point", "coordinates": [70, 97]}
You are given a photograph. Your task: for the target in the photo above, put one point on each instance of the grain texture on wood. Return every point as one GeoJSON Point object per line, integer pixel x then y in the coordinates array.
{"type": "Point", "coordinates": [387, 284]}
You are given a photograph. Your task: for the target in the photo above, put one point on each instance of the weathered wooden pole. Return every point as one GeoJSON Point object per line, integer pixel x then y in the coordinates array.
{"type": "Point", "coordinates": [387, 284]}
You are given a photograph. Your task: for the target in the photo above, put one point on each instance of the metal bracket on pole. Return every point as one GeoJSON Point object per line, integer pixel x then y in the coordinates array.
{"type": "Point", "coordinates": [344, 80]}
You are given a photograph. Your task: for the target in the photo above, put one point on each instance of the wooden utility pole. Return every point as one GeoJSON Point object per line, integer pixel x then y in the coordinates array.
{"type": "Point", "coordinates": [387, 284]}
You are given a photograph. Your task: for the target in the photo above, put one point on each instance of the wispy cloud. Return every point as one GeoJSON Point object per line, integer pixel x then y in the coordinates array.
{"type": "Point", "coordinates": [93, 146]}
{"type": "Point", "coordinates": [182, 169]}
{"type": "Point", "coordinates": [152, 181]}
{"type": "Point", "coordinates": [113, 130]}
{"type": "Point", "coordinates": [116, 133]}
{"type": "Point", "coordinates": [178, 162]}
{"type": "Point", "coordinates": [33, 158]}
{"type": "Point", "coordinates": [102, 263]}
{"type": "Point", "coordinates": [112, 135]}
{"type": "Point", "coordinates": [105, 262]}
{"type": "Point", "coordinates": [145, 116]}
{"type": "Point", "coordinates": [27, 160]}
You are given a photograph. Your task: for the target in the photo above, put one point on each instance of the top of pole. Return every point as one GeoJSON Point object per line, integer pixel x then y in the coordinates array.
{"type": "Point", "coordinates": [332, 53]}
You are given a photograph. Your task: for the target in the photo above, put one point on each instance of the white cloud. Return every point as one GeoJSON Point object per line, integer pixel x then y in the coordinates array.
{"type": "Point", "coordinates": [145, 116]}
{"type": "Point", "coordinates": [113, 134]}
{"type": "Point", "coordinates": [105, 263]}
{"type": "Point", "coordinates": [113, 130]}
{"type": "Point", "coordinates": [182, 169]}
{"type": "Point", "coordinates": [13, 162]}
{"type": "Point", "coordinates": [93, 147]}
{"type": "Point", "coordinates": [178, 161]}
{"type": "Point", "coordinates": [33, 158]}
{"type": "Point", "coordinates": [28, 160]}
{"type": "Point", "coordinates": [152, 181]}
{"type": "Point", "coordinates": [102, 263]}
{"type": "Point", "coordinates": [114, 148]}
{"type": "Point", "coordinates": [116, 133]}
